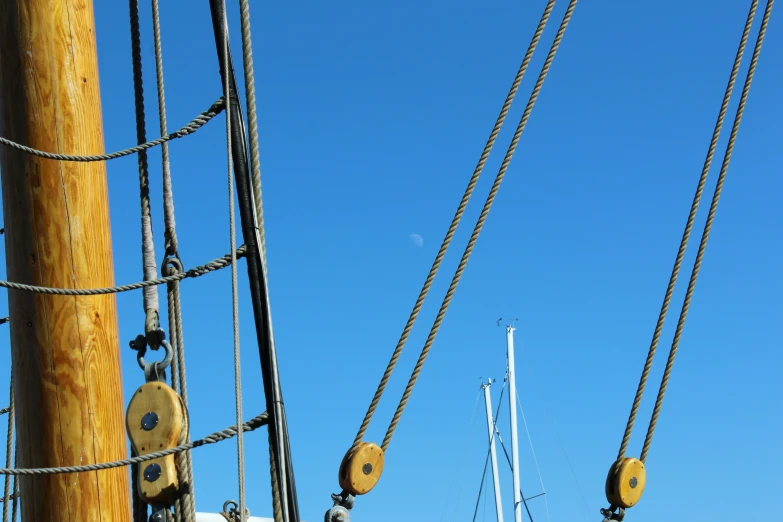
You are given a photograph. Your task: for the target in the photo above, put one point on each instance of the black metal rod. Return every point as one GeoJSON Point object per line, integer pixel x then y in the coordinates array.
{"type": "Point", "coordinates": [278, 429]}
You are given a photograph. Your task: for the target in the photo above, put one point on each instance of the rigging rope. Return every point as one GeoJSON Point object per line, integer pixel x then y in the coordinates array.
{"type": "Point", "coordinates": [480, 223]}
{"type": "Point", "coordinates": [234, 275]}
{"type": "Point", "coordinates": [686, 234]}
{"type": "Point", "coordinates": [195, 124]}
{"type": "Point", "coordinates": [186, 502]}
{"type": "Point", "coordinates": [454, 223]}
{"type": "Point", "coordinates": [252, 121]}
{"type": "Point", "coordinates": [535, 459]}
{"type": "Point", "coordinates": [219, 436]}
{"type": "Point", "coordinates": [9, 451]}
{"type": "Point", "coordinates": [707, 228]}
{"type": "Point", "coordinates": [149, 262]}
{"type": "Point", "coordinates": [215, 264]}
{"type": "Point", "coordinates": [255, 169]}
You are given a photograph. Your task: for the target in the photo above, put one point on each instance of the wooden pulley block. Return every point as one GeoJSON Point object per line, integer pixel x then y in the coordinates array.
{"type": "Point", "coordinates": [625, 482]}
{"type": "Point", "coordinates": [156, 420]}
{"type": "Point", "coordinates": [361, 469]}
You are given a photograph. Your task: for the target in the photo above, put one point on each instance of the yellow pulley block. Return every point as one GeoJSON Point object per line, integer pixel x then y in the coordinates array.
{"type": "Point", "coordinates": [625, 482]}
{"type": "Point", "coordinates": [361, 469]}
{"type": "Point", "coordinates": [156, 420]}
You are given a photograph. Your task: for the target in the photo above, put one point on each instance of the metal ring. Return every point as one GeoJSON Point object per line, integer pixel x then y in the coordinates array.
{"type": "Point", "coordinates": [171, 265]}
{"type": "Point", "coordinates": [162, 365]}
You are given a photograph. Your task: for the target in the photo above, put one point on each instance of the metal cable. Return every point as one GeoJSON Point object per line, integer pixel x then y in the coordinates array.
{"type": "Point", "coordinates": [253, 424]}
{"type": "Point", "coordinates": [195, 124]}
{"type": "Point", "coordinates": [215, 264]}
{"type": "Point", "coordinates": [454, 223]}
{"type": "Point", "coordinates": [707, 227]}
{"type": "Point", "coordinates": [686, 234]}
{"type": "Point", "coordinates": [479, 224]}
{"type": "Point", "coordinates": [9, 451]}
{"type": "Point", "coordinates": [187, 508]}
{"type": "Point", "coordinates": [149, 262]}
{"type": "Point", "coordinates": [252, 121]}
{"type": "Point", "coordinates": [234, 278]}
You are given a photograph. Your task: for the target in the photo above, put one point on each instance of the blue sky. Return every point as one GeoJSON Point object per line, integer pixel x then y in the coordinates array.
{"type": "Point", "coordinates": [372, 116]}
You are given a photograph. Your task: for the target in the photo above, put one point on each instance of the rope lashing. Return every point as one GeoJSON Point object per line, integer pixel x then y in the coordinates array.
{"type": "Point", "coordinates": [251, 425]}
{"type": "Point", "coordinates": [195, 124]}
{"type": "Point", "coordinates": [215, 264]}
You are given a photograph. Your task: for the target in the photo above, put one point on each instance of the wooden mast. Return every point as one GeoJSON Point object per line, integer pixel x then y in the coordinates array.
{"type": "Point", "coordinates": [65, 349]}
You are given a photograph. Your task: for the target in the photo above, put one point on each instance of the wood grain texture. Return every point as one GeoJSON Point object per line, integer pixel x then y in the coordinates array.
{"type": "Point", "coordinates": [65, 349]}
{"type": "Point", "coordinates": [361, 470]}
{"type": "Point", "coordinates": [160, 399]}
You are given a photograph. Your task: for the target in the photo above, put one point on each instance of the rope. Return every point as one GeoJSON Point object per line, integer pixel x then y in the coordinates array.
{"type": "Point", "coordinates": [253, 424]}
{"type": "Point", "coordinates": [5, 410]}
{"type": "Point", "coordinates": [454, 223]}
{"type": "Point", "coordinates": [707, 227]}
{"type": "Point", "coordinates": [234, 275]}
{"type": "Point", "coordinates": [9, 451]}
{"type": "Point", "coordinates": [255, 168]}
{"type": "Point", "coordinates": [215, 264]}
{"type": "Point", "coordinates": [686, 234]}
{"type": "Point", "coordinates": [187, 501]}
{"type": "Point", "coordinates": [147, 243]}
{"type": "Point", "coordinates": [535, 459]}
{"type": "Point", "coordinates": [252, 121]}
{"type": "Point", "coordinates": [479, 224]}
{"type": "Point", "coordinates": [15, 497]}
{"type": "Point", "coordinates": [195, 124]}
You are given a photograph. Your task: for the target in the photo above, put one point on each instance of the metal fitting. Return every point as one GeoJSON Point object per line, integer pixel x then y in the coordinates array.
{"type": "Point", "coordinates": [341, 511]}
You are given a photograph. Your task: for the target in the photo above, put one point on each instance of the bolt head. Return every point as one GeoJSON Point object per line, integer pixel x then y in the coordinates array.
{"type": "Point", "coordinates": [367, 468]}
{"type": "Point", "coordinates": [152, 472]}
{"type": "Point", "coordinates": [633, 482]}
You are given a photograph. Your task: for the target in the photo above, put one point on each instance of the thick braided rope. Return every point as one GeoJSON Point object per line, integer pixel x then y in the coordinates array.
{"type": "Point", "coordinates": [168, 195]}
{"type": "Point", "coordinates": [195, 124]}
{"type": "Point", "coordinates": [686, 234]}
{"type": "Point", "coordinates": [215, 264]}
{"type": "Point", "coordinates": [252, 121]}
{"type": "Point", "coordinates": [149, 263]}
{"type": "Point", "coordinates": [186, 501]}
{"type": "Point", "coordinates": [707, 227]}
{"type": "Point", "coordinates": [479, 224]}
{"type": "Point", "coordinates": [218, 436]}
{"type": "Point", "coordinates": [5, 410]}
{"type": "Point", "coordinates": [454, 223]}
{"type": "Point", "coordinates": [255, 169]}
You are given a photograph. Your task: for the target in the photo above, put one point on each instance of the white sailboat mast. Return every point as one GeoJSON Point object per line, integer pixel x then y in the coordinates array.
{"type": "Point", "coordinates": [493, 454]}
{"type": "Point", "coordinates": [512, 402]}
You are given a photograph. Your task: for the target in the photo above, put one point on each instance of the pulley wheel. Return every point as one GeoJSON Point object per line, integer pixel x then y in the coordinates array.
{"type": "Point", "coordinates": [360, 470]}
{"type": "Point", "coordinates": [625, 482]}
